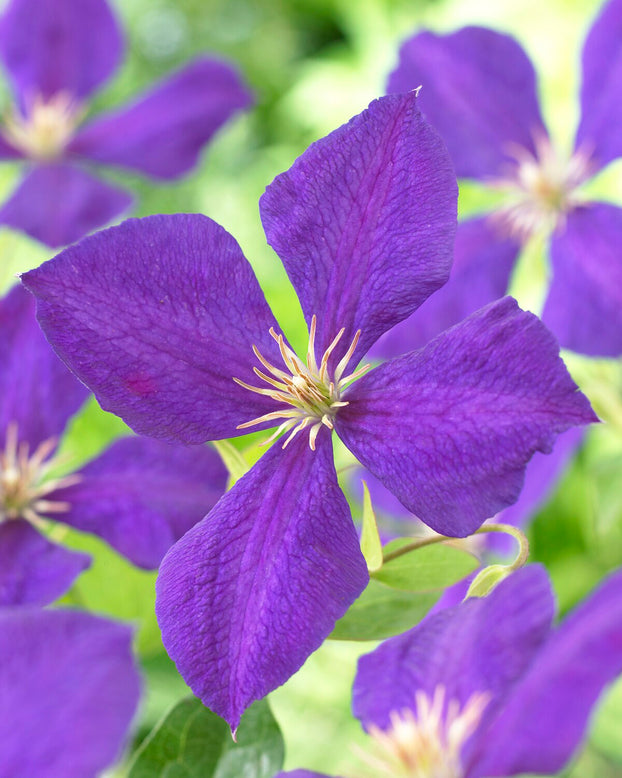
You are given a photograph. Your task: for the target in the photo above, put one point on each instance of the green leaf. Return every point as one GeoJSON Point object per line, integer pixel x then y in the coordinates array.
{"type": "Point", "coordinates": [605, 734]}
{"type": "Point", "coordinates": [427, 568]}
{"type": "Point", "coordinates": [370, 539]}
{"type": "Point", "coordinates": [381, 612]}
{"type": "Point", "coordinates": [233, 460]}
{"type": "Point", "coordinates": [193, 742]}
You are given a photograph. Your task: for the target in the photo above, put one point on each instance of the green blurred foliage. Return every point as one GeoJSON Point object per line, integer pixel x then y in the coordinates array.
{"type": "Point", "coordinates": [312, 64]}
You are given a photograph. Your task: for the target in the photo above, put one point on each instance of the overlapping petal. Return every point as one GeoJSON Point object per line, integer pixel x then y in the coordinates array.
{"type": "Point", "coordinates": [52, 46]}
{"type": "Point", "coordinates": [364, 221]}
{"type": "Point", "coordinates": [162, 133]}
{"type": "Point", "coordinates": [59, 203]}
{"type": "Point", "coordinates": [544, 719]}
{"type": "Point", "coordinates": [584, 305]}
{"type": "Point", "coordinates": [34, 571]}
{"type": "Point", "coordinates": [69, 690]}
{"type": "Point", "coordinates": [450, 428]}
{"type": "Point", "coordinates": [37, 392]}
{"type": "Point", "coordinates": [601, 109]}
{"type": "Point", "coordinates": [251, 591]}
{"type": "Point", "coordinates": [482, 645]}
{"type": "Point", "coordinates": [158, 316]}
{"type": "Point", "coordinates": [141, 495]}
{"type": "Point", "coordinates": [483, 263]}
{"type": "Point", "coordinates": [478, 90]}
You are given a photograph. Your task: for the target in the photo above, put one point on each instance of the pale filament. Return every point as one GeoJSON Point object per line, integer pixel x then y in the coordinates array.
{"type": "Point", "coordinates": [311, 394]}
{"type": "Point", "coordinates": [425, 742]}
{"type": "Point", "coordinates": [540, 189]}
{"type": "Point", "coordinates": [47, 126]}
{"type": "Point", "coordinates": [24, 485]}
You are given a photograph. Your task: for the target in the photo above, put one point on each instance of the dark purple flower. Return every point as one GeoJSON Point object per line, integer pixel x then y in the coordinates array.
{"type": "Point", "coordinates": [69, 691]}
{"type": "Point", "coordinates": [161, 317]}
{"type": "Point", "coordinates": [479, 91]}
{"type": "Point", "coordinates": [57, 53]}
{"type": "Point", "coordinates": [140, 495]}
{"type": "Point", "coordinates": [488, 688]}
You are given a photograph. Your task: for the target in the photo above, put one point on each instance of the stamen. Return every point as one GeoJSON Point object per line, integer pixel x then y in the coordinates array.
{"type": "Point", "coordinates": [311, 395]}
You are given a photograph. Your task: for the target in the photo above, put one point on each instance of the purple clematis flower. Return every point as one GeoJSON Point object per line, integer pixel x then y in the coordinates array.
{"type": "Point", "coordinates": [140, 495]}
{"type": "Point", "coordinates": [479, 91]}
{"type": "Point", "coordinates": [57, 53]}
{"type": "Point", "coordinates": [165, 320]}
{"type": "Point", "coordinates": [488, 688]}
{"type": "Point", "coordinates": [69, 691]}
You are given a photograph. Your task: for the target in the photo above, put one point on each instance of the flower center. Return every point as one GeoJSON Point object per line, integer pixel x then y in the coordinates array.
{"type": "Point", "coordinates": [23, 483]}
{"type": "Point", "coordinates": [541, 189]}
{"type": "Point", "coordinates": [46, 128]}
{"type": "Point", "coordinates": [310, 393]}
{"type": "Point", "coordinates": [426, 742]}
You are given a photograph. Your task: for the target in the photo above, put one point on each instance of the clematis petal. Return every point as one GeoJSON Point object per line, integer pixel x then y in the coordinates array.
{"type": "Point", "coordinates": [159, 141]}
{"type": "Point", "coordinates": [302, 774]}
{"type": "Point", "coordinates": [544, 719]}
{"type": "Point", "coordinates": [7, 151]}
{"type": "Point", "coordinates": [157, 316]}
{"type": "Point", "coordinates": [481, 645]}
{"type": "Point", "coordinates": [37, 392]}
{"type": "Point", "coordinates": [58, 204]}
{"type": "Point", "coordinates": [478, 88]}
{"type": "Point", "coordinates": [483, 263]}
{"type": "Point", "coordinates": [69, 690]}
{"type": "Point", "coordinates": [248, 593]}
{"type": "Point", "coordinates": [34, 571]}
{"type": "Point", "coordinates": [601, 113]}
{"type": "Point", "coordinates": [141, 495]}
{"type": "Point", "coordinates": [450, 428]}
{"type": "Point", "coordinates": [584, 306]}
{"type": "Point", "coordinates": [52, 46]}
{"type": "Point", "coordinates": [364, 222]}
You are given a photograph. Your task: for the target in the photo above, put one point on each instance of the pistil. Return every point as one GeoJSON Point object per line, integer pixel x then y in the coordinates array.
{"type": "Point", "coordinates": [46, 127]}
{"type": "Point", "coordinates": [24, 485]}
{"type": "Point", "coordinates": [312, 395]}
{"type": "Point", "coordinates": [426, 742]}
{"type": "Point", "coordinates": [540, 189]}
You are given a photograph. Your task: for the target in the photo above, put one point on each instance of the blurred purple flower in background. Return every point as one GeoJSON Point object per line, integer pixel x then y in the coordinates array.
{"type": "Point", "coordinates": [57, 53]}
{"type": "Point", "coordinates": [488, 688]}
{"type": "Point", "coordinates": [479, 91]}
{"type": "Point", "coordinates": [161, 317]}
{"type": "Point", "coordinates": [69, 689]}
{"type": "Point", "coordinates": [140, 495]}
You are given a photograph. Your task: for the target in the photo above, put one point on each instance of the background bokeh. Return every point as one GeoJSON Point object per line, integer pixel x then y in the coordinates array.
{"type": "Point", "coordinates": [312, 64]}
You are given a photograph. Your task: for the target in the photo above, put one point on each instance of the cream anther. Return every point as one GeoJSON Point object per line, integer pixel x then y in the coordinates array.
{"type": "Point", "coordinates": [312, 397]}
{"type": "Point", "coordinates": [47, 126]}
{"type": "Point", "coordinates": [23, 480]}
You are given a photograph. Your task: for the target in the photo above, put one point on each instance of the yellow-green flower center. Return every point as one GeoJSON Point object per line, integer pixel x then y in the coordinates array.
{"type": "Point", "coordinates": [47, 126]}
{"type": "Point", "coordinates": [24, 484]}
{"type": "Point", "coordinates": [541, 189]}
{"type": "Point", "coordinates": [310, 392]}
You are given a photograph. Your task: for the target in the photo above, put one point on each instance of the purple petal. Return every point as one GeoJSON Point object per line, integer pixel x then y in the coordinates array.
{"type": "Point", "coordinates": [69, 690]}
{"type": "Point", "coordinates": [157, 316]}
{"type": "Point", "coordinates": [37, 392]}
{"type": "Point", "coordinates": [478, 90]}
{"type": "Point", "coordinates": [52, 46]}
{"type": "Point", "coordinates": [7, 151]}
{"type": "Point", "coordinates": [584, 306]}
{"type": "Point", "coordinates": [601, 109]}
{"type": "Point", "coordinates": [545, 718]}
{"type": "Point", "coordinates": [481, 645]}
{"type": "Point", "coordinates": [483, 263]}
{"type": "Point", "coordinates": [251, 591]}
{"type": "Point", "coordinates": [58, 204]}
{"type": "Point", "coordinates": [301, 774]}
{"type": "Point", "coordinates": [450, 428]}
{"type": "Point", "coordinates": [34, 571]}
{"type": "Point", "coordinates": [364, 222]}
{"type": "Point", "coordinates": [157, 140]}
{"type": "Point", "coordinates": [142, 495]}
